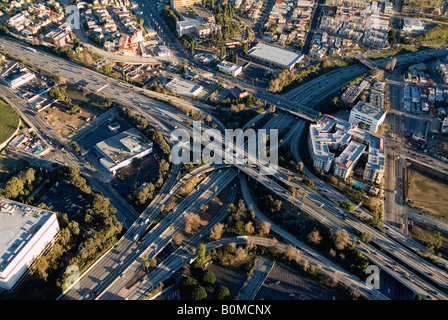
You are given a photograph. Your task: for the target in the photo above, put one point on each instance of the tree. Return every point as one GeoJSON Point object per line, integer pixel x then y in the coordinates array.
{"type": "Point", "coordinates": [223, 52]}
{"type": "Point", "coordinates": [366, 237]}
{"type": "Point", "coordinates": [272, 108]}
{"type": "Point", "coordinates": [393, 63]}
{"type": "Point", "coordinates": [197, 268]}
{"type": "Point", "coordinates": [200, 252]}
{"type": "Point", "coordinates": [198, 293]}
{"type": "Point", "coordinates": [240, 254]}
{"type": "Point", "coordinates": [221, 293]}
{"type": "Point", "coordinates": [245, 47]}
{"type": "Point", "coordinates": [55, 94]}
{"type": "Point", "coordinates": [186, 286]}
{"type": "Point", "coordinates": [348, 206]}
{"type": "Point", "coordinates": [265, 227]}
{"type": "Point", "coordinates": [308, 182]}
{"type": "Point", "coordinates": [217, 231]}
{"type": "Point", "coordinates": [334, 181]}
{"type": "Point", "coordinates": [208, 278]}
{"type": "Point", "coordinates": [340, 239]}
{"type": "Point", "coordinates": [13, 188]}
{"type": "Point", "coordinates": [249, 228]}
{"type": "Point", "coordinates": [314, 237]}
{"type": "Point", "coordinates": [436, 240]}
{"type": "Point", "coordinates": [192, 223]}
{"type": "Point", "coordinates": [290, 252]}
{"type": "Point", "coordinates": [28, 176]}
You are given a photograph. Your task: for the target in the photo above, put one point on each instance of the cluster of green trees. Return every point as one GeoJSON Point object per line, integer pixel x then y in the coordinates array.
{"type": "Point", "coordinates": [158, 87]}
{"type": "Point", "coordinates": [436, 35]}
{"type": "Point", "coordinates": [286, 159]}
{"type": "Point", "coordinates": [192, 288]}
{"type": "Point", "coordinates": [232, 57]}
{"type": "Point", "coordinates": [75, 146]}
{"type": "Point", "coordinates": [58, 93]}
{"type": "Point", "coordinates": [142, 196]}
{"type": "Point", "coordinates": [161, 146]}
{"type": "Point", "coordinates": [333, 244]}
{"type": "Point", "coordinates": [170, 18]}
{"type": "Point", "coordinates": [80, 241]}
{"type": "Point", "coordinates": [19, 187]}
{"type": "Point", "coordinates": [188, 41]}
{"type": "Point", "coordinates": [241, 220]}
{"type": "Point", "coordinates": [392, 36]}
{"type": "Point", "coordinates": [290, 79]}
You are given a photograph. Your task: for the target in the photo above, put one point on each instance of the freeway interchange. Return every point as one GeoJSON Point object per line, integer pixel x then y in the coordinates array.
{"type": "Point", "coordinates": [109, 274]}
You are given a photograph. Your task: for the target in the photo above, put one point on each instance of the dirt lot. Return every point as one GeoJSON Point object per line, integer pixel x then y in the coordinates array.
{"type": "Point", "coordinates": [428, 194]}
{"type": "Point", "coordinates": [64, 122]}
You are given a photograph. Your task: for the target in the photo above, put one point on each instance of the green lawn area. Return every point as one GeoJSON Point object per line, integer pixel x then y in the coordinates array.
{"type": "Point", "coordinates": [9, 121]}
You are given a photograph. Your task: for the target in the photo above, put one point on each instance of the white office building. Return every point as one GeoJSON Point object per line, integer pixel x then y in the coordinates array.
{"type": "Point", "coordinates": [410, 25]}
{"type": "Point", "coordinates": [119, 150]}
{"type": "Point", "coordinates": [229, 68]}
{"type": "Point", "coordinates": [25, 233]}
{"type": "Point", "coordinates": [187, 26]}
{"type": "Point", "coordinates": [369, 114]}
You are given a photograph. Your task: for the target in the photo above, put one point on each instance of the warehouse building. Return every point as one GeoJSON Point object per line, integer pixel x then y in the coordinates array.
{"type": "Point", "coordinates": [118, 151]}
{"type": "Point", "coordinates": [22, 79]}
{"type": "Point", "coordinates": [25, 233]}
{"type": "Point", "coordinates": [184, 87]}
{"type": "Point", "coordinates": [274, 56]}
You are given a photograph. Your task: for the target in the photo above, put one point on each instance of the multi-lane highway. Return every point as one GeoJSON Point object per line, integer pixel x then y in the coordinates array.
{"type": "Point", "coordinates": [328, 215]}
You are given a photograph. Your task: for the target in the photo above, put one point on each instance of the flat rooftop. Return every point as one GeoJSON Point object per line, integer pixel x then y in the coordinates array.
{"type": "Point", "coordinates": [123, 146]}
{"type": "Point", "coordinates": [350, 155]}
{"type": "Point", "coordinates": [18, 223]}
{"type": "Point", "coordinates": [275, 55]}
{"type": "Point", "coordinates": [182, 86]}
{"type": "Point", "coordinates": [369, 110]}
{"type": "Point", "coordinates": [229, 65]}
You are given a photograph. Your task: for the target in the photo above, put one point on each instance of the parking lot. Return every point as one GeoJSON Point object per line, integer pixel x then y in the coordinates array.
{"type": "Point", "coordinates": [65, 198]}
{"type": "Point", "coordinates": [102, 132]}
{"type": "Point", "coordinates": [284, 283]}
